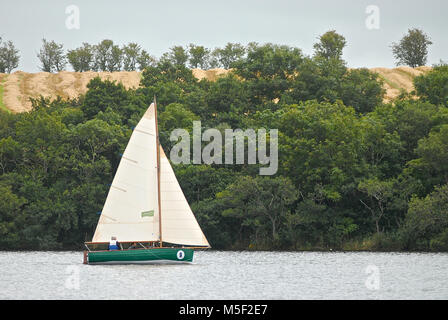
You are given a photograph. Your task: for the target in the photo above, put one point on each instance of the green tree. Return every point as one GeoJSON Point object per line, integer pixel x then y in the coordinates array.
{"type": "Point", "coordinates": [9, 154]}
{"type": "Point", "coordinates": [131, 54]}
{"type": "Point", "coordinates": [114, 101]}
{"type": "Point", "coordinates": [412, 50]}
{"type": "Point", "coordinates": [257, 201]}
{"type": "Point", "coordinates": [412, 120]}
{"type": "Point", "coordinates": [308, 225]}
{"type": "Point", "coordinates": [12, 218]}
{"type": "Point", "coordinates": [318, 78]}
{"type": "Point", "coordinates": [203, 182]}
{"type": "Point", "coordinates": [381, 150]}
{"type": "Point", "coordinates": [379, 194]}
{"type": "Point", "coordinates": [225, 97]}
{"type": "Point", "coordinates": [145, 60]}
{"type": "Point", "coordinates": [426, 224]}
{"type": "Point", "coordinates": [433, 152]}
{"type": "Point", "coordinates": [228, 55]}
{"type": "Point", "coordinates": [169, 82]}
{"type": "Point", "coordinates": [98, 137]}
{"type": "Point", "coordinates": [362, 90]}
{"type": "Point", "coordinates": [330, 45]}
{"type": "Point", "coordinates": [199, 56]}
{"type": "Point", "coordinates": [9, 57]}
{"type": "Point", "coordinates": [174, 116]}
{"type": "Point", "coordinates": [81, 58]}
{"type": "Point", "coordinates": [177, 56]}
{"type": "Point", "coordinates": [269, 69]}
{"type": "Point", "coordinates": [52, 56]}
{"type": "Point", "coordinates": [320, 147]}
{"type": "Point", "coordinates": [165, 72]}
{"type": "Point", "coordinates": [108, 56]}
{"type": "Point", "coordinates": [433, 86]}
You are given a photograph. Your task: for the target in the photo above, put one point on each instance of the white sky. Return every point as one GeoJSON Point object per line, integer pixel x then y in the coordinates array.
{"type": "Point", "coordinates": [158, 25]}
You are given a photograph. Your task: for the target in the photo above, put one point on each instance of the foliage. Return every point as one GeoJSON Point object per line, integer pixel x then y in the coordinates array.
{"type": "Point", "coordinates": [412, 50]}
{"type": "Point", "coordinates": [330, 45]}
{"type": "Point", "coordinates": [131, 54]}
{"type": "Point", "coordinates": [108, 56]}
{"type": "Point", "coordinates": [199, 56]}
{"type": "Point", "coordinates": [9, 57]}
{"type": "Point", "coordinates": [227, 56]}
{"type": "Point", "coordinates": [379, 194]}
{"type": "Point", "coordinates": [269, 69]}
{"type": "Point", "coordinates": [52, 56]}
{"type": "Point", "coordinates": [81, 59]}
{"type": "Point", "coordinates": [433, 87]}
{"type": "Point", "coordinates": [362, 90]}
{"type": "Point", "coordinates": [433, 156]}
{"type": "Point", "coordinates": [426, 223]}
{"type": "Point", "coordinates": [259, 204]}
{"type": "Point", "coordinates": [353, 172]}
{"type": "Point", "coordinates": [177, 55]}
{"type": "Point", "coordinates": [145, 60]}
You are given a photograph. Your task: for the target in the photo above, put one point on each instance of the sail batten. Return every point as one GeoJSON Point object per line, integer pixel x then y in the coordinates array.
{"type": "Point", "coordinates": [131, 211]}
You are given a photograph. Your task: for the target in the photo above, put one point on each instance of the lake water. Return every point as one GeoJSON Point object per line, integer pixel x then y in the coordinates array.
{"type": "Point", "coordinates": [229, 275]}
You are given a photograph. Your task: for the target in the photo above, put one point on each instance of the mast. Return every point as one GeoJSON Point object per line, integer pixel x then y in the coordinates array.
{"type": "Point", "coordinates": [158, 172]}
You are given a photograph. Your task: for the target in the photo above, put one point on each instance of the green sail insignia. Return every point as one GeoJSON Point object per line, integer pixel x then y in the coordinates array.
{"type": "Point", "coordinates": [148, 213]}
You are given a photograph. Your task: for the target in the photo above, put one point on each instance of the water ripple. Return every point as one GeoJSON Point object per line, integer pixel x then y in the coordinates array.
{"type": "Point", "coordinates": [229, 275]}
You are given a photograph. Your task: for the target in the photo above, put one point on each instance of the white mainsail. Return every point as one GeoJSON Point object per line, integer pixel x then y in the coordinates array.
{"type": "Point", "coordinates": [134, 190]}
{"type": "Point", "coordinates": [131, 210]}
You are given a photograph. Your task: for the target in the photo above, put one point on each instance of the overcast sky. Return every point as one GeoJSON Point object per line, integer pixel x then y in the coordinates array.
{"type": "Point", "coordinates": [159, 25]}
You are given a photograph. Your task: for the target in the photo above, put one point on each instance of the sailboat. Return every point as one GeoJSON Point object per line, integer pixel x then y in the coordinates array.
{"type": "Point", "coordinates": [145, 208]}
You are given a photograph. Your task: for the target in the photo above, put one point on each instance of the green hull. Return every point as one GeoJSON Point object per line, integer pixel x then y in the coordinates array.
{"type": "Point", "coordinates": [155, 255]}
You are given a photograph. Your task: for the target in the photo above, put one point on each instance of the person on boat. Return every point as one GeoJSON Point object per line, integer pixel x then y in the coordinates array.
{"type": "Point", "coordinates": [134, 246]}
{"type": "Point", "coordinates": [113, 244]}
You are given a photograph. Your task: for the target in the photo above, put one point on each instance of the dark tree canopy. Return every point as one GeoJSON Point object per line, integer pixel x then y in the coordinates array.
{"type": "Point", "coordinates": [433, 87]}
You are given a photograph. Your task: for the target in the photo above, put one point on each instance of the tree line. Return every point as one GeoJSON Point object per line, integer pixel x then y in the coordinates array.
{"type": "Point", "coordinates": [354, 173]}
{"type": "Point", "coordinates": [412, 50]}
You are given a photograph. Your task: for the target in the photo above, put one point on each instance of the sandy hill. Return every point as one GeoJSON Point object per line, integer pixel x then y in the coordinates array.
{"type": "Point", "coordinates": [16, 88]}
{"type": "Point", "coordinates": [398, 79]}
